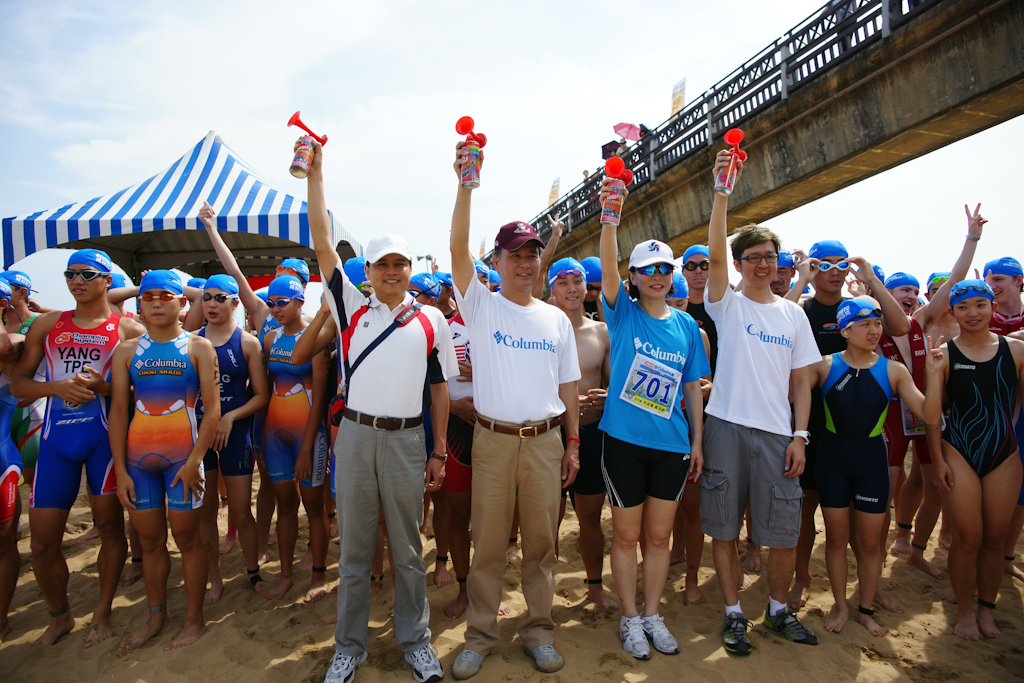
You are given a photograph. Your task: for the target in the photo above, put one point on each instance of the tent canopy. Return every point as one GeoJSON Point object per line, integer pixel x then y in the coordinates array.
{"type": "Point", "coordinates": [154, 224]}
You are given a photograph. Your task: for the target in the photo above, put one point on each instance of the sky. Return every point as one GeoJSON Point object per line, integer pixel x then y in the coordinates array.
{"type": "Point", "coordinates": [96, 96]}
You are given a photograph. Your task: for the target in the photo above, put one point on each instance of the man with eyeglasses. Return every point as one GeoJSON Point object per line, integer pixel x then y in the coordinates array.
{"type": "Point", "coordinates": [696, 261]}
{"type": "Point", "coordinates": [751, 449]}
{"type": "Point", "coordinates": [77, 347]}
{"type": "Point", "coordinates": [827, 265]}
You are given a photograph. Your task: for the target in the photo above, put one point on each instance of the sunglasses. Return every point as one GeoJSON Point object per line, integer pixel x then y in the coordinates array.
{"type": "Point", "coordinates": [280, 303]}
{"type": "Point", "coordinates": [163, 296]}
{"type": "Point", "coordinates": [662, 268]}
{"type": "Point", "coordinates": [938, 281]}
{"type": "Point", "coordinates": [219, 298]}
{"type": "Point", "coordinates": [567, 273]}
{"type": "Point", "coordinates": [978, 289]}
{"type": "Point", "coordinates": [87, 275]}
{"type": "Point", "coordinates": [825, 265]}
{"type": "Point", "coordinates": [593, 288]}
{"type": "Point", "coordinates": [692, 266]}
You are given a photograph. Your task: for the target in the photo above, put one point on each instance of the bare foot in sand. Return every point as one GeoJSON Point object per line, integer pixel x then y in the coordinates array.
{"type": "Point", "coordinates": [1014, 571]}
{"type": "Point", "coordinates": [222, 513]}
{"type": "Point", "coordinates": [600, 597]}
{"type": "Point", "coordinates": [317, 588]}
{"type": "Point", "coordinates": [946, 595]}
{"type": "Point", "coordinates": [457, 607]}
{"type": "Point", "coordinates": [745, 581]}
{"type": "Point", "coordinates": [229, 542]}
{"type": "Point", "coordinates": [512, 550]}
{"type": "Point", "coordinates": [306, 563]}
{"type": "Point", "coordinates": [691, 593]}
{"type": "Point", "coordinates": [156, 623]}
{"type": "Point", "coordinates": [327, 619]}
{"type": "Point", "coordinates": [888, 603]}
{"type": "Point", "coordinates": [442, 577]}
{"type": "Point", "coordinates": [945, 540]}
{"type": "Point", "coordinates": [871, 625]}
{"type": "Point", "coordinates": [916, 559]}
{"type": "Point", "coordinates": [283, 584]}
{"type": "Point", "coordinates": [837, 618]}
{"type": "Point", "coordinates": [376, 590]}
{"type": "Point", "coordinates": [262, 557]}
{"type": "Point", "coordinates": [73, 530]}
{"type": "Point", "coordinates": [273, 537]}
{"type": "Point", "coordinates": [504, 610]}
{"type": "Point", "coordinates": [901, 546]}
{"type": "Point", "coordinates": [99, 630]}
{"type": "Point", "coordinates": [58, 627]}
{"type": "Point", "coordinates": [798, 595]}
{"type": "Point", "coordinates": [332, 531]}
{"type": "Point", "coordinates": [190, 634]}
{"type": "Point", "coordinates": [133, 574]}
{"type": "Point", "coordinates": [752, 560]}
{"type": "Point", "coordinates": [967, 629]}
{"type": "Point", "coordinates": [987, 623]}
{"type": "Point", "coordinates": [92, 533]}
{"type": "Point", "coordinates": [214, 592]}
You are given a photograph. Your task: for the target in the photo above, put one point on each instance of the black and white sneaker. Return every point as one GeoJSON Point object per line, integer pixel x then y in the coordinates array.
{"type": "Point", "coordinates": [425, 666]}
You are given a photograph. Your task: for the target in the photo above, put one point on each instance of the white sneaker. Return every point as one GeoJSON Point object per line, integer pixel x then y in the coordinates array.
{"type": "Point", "coordinates": [662, 640]}
{"type": "Point", "coordinates": [425, 666]}
{"type": "Point", "coordinates": [343, 668]}
{"type": "Point", "coordinates": [634, 640]}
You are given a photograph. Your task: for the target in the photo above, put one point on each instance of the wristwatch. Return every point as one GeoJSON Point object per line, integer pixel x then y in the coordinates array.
{"type": "Point", "coordinates": [974, 238]}
{"type": "Point", "coordinates": [804, 433]}
{"type": "Point", "coordinates": [443, 457]}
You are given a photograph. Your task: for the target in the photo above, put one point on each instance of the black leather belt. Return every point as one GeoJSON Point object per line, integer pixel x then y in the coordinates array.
{"type": "Point", "coordinates": [390, 424]}
{"type": "Point", "coordinates": [523, 431]}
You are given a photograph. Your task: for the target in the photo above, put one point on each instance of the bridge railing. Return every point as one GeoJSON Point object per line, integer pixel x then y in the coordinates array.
{"type": "Point", "coordinates": [820, 42]}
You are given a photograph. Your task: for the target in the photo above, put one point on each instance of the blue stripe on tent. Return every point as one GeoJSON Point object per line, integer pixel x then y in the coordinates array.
{"type": "Point", "coordinates": [8, 226]}
{"type": "Point", "coordinates": [284, 219]}
{"type": "Point", "coordinates": [94, 222]}
{"type": "Point", "coordinates": [73, 221]}
{"type": "Point", "coordinates": [115, 220]}
{"type": "Point", "coordinates": [250, 199]}
{"type": "Point", "coordinates": [229, 163]}
{"type": "Point", "coordinates": [211, 159]}
{"type": "Point", "coordinates": [51, 225]}
{"type": "Point", "coordinates": [232, 196]}
{"type": "Point", "coordinates": [137, 218]}
{"type": "Point", "coordinates": [30, 232]}
{"type": "Point", "coordinates": [304, 227]}
{"type": "Point", "coordinates": [263, 219]}
{"type": "Point", "coordinates": [186, 173]}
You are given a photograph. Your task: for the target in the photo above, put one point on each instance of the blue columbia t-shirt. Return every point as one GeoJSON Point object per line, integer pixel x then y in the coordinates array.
{"type": "Point", "coordinates": [651, 360]}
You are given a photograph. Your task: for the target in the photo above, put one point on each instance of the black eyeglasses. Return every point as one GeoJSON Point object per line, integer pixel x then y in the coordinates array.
{"type": "Point", "coordinates": [163, 296]}
{"type": "Point", "coordinates": [979, 289]}
{"type": "Point", "coordinates": [87, 275]}
{"type": "Point", "coordinates": [663, 268]}
{"type": "Point", "coordinates": [219, 298]}
{"type": "Point", "coordinates": [692, 265]}
{"type": "Point", "coordinates": [755, 259]}
{"type": "Point", "coordinates": [280, 303]}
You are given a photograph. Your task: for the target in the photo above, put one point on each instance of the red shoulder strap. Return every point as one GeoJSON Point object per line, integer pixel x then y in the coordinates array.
{"type": "Point", "coordinates": [428, 330]}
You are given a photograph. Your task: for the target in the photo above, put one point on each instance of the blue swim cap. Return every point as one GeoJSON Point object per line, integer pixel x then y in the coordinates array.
{"type": "Point", "coordinates": [901, 280]}
{"type": "Point", "coordinates": [969, 289]}
{"type": "Point", "coordinates": [694, 250]}
{"type": "Point", "coordinates": [481, 267]}
{"type": "Point", "coordinates": [566, 266]}
{"type": "Point", "coordinates": [680, 289]}
{"type": "Point", "coordinates": [262, 294]}
{"type": "Point", "coordinates": [299, 266]}
{"type": "Point", "coordinates": [826, 248]}
{"type": "Point", "coordinates": [5, 289]}
{"type": "Point", "coordinates": [17, 279]}
{"type": "Point", "coordinates": [493, 277]}
{"type": "Point", "coordinates": [94, 258]}
{"type": "Point", "coordinates": [445, 279]}
{"type": "Point", "coordinates": [287, 286]}
{"type": "Point", "coordinates": [944, 275]}
{"type": "Point", "coordinates": [118, 281]}
{"type": "Point", "coordinates": [426, 283]}
{"type": "Point", "coordinates": [197, 282]}
{"type": "Point", "coordinates": [785, 259]}
{"type": "Point", "coordinates": [1003, 266]}
{"type": "Point", "coordinates": [160, 279]}
{"type": "Point", "coordinates": [355, 269]}
{"type": "Point", "coordinates": [224, 282]}
{"type": "Point", "coordinates": [592, 270]}
{"type": "Point", "coordinates": [847, 313]}
{"type": "Point", "coordinates": [879, 273]}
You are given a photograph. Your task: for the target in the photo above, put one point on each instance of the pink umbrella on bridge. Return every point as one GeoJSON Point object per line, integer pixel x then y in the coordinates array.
{"type": "Point", "coordinates": [630, 131]}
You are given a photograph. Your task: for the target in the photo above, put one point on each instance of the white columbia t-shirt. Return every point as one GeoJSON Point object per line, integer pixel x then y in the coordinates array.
{"type": "Point", "coordinates": [758, 346]}
{"type": "Point", "coordinates": [520, 355]}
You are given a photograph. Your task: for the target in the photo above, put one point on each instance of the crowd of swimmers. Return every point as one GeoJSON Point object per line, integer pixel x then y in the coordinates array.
{"type": "Point", "coordinates": [693, 406]}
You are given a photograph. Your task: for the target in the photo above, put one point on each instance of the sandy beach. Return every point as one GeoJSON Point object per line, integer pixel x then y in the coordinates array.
{"type": "Point", "coordinates": [252, 639]}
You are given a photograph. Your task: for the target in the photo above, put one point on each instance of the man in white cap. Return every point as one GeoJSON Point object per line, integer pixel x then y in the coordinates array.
{"type": "Point", "coordinates": [379, 450]}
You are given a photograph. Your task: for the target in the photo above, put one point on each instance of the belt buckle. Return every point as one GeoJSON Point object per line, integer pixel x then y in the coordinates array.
{"type": "Point", "coordinates": [374, 424]}
{"type": "Point", "coordinates": [527, 436]}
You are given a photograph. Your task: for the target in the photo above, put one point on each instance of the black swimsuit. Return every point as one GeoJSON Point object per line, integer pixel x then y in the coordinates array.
{"type": "Point", "coordinates": [982, 398]}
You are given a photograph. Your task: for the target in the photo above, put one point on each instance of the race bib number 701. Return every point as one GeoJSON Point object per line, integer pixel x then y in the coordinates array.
{"type": "Point", "coordinates": [652, 386]}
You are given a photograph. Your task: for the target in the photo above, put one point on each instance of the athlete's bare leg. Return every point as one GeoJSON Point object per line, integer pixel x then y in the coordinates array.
{"type": "Point", "coordinates": [265, 504]}
{"type": "Point", "coordinates": [805, 546]}
{"type": "Point", "coordinates": [156, 566]}
{"type": "Point", "coordinates": [1010, 545]}
{"type": "Point", "coordinates": [441, 524]}
{"type": "Point", "coordinates": [185, 527]}
{"type": "Point", "coordinates": [287, 495]}
{"type": "Point", "coordinates": [50, 568]}
{"type": "Point", "coordinates": [459, 506]}
{"type": "Point", "coordinates": [210, 536]}
{"type": "Point", "coordinates": [693, 537]}
{"type": "Point", "coordinates": [316, 513]}
{"type": "Point", "coordinates": [10, 565]}
{"type": "Point", "coordinates": [110, 562]}
{"type": "Point", "coordinates": [588, 511]}
{"type": "Point", "coordinates": [134, 572]}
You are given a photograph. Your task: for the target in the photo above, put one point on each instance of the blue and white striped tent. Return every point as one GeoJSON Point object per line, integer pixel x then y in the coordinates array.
{"type": "Point", "coordinates": [153, 224]}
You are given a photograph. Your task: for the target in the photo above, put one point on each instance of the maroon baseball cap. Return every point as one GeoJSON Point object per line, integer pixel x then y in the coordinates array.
{"type": "Point", "coordinates": [513, 235]}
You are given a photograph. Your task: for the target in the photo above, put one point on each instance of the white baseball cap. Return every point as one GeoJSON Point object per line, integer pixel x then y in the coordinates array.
{"type": "Point", "coordinates": [379, 247]}
{"type": "Point", "coordinates": [651, 252]}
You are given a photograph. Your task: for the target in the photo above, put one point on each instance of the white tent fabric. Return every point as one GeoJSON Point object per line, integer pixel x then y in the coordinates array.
{"type": "Point", "coordinates": [263, 219]}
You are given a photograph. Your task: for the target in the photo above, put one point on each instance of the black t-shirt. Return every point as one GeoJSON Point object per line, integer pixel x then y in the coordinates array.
{"type": "Point", "coordinates": [823, 323]}
{"type": "Point", "coordinates": [590, 308]}
{"type": "Point", "coordinates": [698, 313]}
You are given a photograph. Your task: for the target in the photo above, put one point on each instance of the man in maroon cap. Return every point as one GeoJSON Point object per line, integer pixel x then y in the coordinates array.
{"type": "Point", "coordinates": [525, 370]}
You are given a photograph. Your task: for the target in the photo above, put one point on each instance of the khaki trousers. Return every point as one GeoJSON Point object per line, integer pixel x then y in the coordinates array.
{"type": "Point", "coordinates": [505, 466]}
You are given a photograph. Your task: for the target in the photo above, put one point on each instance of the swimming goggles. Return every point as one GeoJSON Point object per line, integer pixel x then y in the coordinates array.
{"type": "Point", "coordinates": [163, 296]}
{"type": "Point", "coordinates": [694, 265]}
{"type": "Point", "coordinates": [825, 265]}
{"type": "Point", "coordinates": [87, 275]}
{"type": "Point", "coordinates": [219, 298]}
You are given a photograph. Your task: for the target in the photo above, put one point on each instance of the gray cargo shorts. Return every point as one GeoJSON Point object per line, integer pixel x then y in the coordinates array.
{"type": "Point", "coordinates": [742, 463]}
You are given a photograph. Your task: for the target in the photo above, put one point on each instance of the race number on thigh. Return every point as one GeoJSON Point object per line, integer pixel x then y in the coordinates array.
{"type": "Point", "coordinates": [651, 386]}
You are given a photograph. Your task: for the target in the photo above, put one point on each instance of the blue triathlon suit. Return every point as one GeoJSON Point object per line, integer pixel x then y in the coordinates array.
{"type": "Point", "coordinates": [269, 325]}
{"type": "Point", "coordinates": [853, 462]}
{"type": "Point", "coordinates": [75, 434]}
{"type": "Point", "coordinates": [235, 459]}
{"type": "Point", "coordinates": [291, 398]}
{"type": "Point", "coordinates": [10, 458]}
{"type": "Point", "coordinates": [163, 430]}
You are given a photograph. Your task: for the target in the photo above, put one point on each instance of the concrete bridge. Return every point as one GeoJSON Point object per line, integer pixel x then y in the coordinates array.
{"type": "Point", "coordinates": [858, 88]}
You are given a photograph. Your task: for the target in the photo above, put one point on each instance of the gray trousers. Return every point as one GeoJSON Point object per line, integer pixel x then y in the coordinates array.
{"type": "Point", "coordinates": [374, 469]}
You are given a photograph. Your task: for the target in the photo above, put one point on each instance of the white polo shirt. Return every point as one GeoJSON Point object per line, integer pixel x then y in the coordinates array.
{"type": "Point", "coordinates": [389, 382]}
{"type": "Point", "coordinates": [520, 355]}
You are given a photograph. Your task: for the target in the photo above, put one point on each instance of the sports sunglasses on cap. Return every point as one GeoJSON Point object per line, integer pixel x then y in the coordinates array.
{"type": "Point", "coordinates": [663, 268]}
{"type": "Point", "coordinates": [87, 275]}
{"type": "Point", "coordinates": [694, 265]}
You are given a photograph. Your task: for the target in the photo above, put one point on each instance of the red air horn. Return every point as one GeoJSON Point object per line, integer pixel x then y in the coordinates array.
{"type": "Point", "coordinates": [616, 168]}
{"type": "Point", "coordinates": [296, 121]}
{"type": "Point", "coordinates": [726, 179]}
{"type": "Point", "coordinates": [303, 158]}
{"type": "Point", "coordinates": [474, 142]}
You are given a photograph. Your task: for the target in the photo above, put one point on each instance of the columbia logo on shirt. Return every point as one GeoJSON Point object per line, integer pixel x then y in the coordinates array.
{"type": "Point", "coordinates": [508, 340]}
{"type": "Point", "coordinates": [780, 339]}
{"type": "Point", "coordinates": [656, 352]}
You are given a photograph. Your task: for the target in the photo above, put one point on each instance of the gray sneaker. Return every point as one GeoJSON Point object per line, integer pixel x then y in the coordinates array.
{"type": "Point", "coordinates": [425, 667]}
{"type": "Point", "coordinates": [546, 658]}
{"type": "Point", "coordinates": [467, 664]}
{"type": "Point", "coordinates": [343, 668]}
